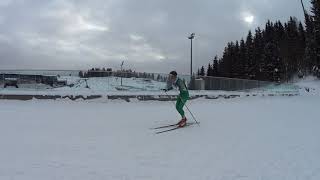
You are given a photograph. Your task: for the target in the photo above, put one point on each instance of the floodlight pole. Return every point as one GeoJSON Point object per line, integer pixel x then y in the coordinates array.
{"type": "Point", "coordinates": [191, 37]}
{"type": "Point", "coordinates": [121, 71]}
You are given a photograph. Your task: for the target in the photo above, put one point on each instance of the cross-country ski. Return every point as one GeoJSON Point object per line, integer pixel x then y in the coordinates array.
{"type": "Point", "coordinates": [174, 127]}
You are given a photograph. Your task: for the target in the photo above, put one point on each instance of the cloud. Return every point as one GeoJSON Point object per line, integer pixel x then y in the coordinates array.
{"type": "Point", "coordinates": [72, 21]}
{"type": "Point", "coordinates": [4, 3]}
{"type": "Point", "coordinates": [151, 35]}
{"type": "Point", "coordinates": [135, 37]}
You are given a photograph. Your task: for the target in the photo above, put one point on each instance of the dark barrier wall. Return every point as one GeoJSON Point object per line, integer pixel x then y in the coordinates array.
{"type": "Point", "coordinates": [25, 78]}
{"type": "Point", "coordinates": [231, 84]}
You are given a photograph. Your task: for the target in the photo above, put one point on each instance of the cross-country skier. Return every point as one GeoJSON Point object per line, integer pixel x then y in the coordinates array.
{"type": "Point", "coordinates": [173, 80]}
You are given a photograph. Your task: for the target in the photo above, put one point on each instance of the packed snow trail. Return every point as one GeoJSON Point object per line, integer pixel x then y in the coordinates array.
{"type": "Point", "coordinates": [256, 138]}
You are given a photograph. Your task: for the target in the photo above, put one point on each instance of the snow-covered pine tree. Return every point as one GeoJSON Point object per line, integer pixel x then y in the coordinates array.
{"type": "Point", "coordinates": [202, 73]}
{"type": "Point", "coordinates": [215, 66]}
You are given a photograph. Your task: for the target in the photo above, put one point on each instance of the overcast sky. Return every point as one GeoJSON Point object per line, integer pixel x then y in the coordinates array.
{"type": "Point", "coordinates": [149, 35]}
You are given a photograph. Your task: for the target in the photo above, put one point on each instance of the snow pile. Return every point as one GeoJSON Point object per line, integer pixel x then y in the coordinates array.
{"type": "Point", "coordinates": [309, 85]}
{"type": "Point", "coordinates": [285, 88]}
{"type": "Point", "coordinates": [113, 83]}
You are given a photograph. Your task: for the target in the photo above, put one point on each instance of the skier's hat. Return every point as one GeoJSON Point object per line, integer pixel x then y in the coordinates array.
{"type": "Point", "coordinates": [174, 73]}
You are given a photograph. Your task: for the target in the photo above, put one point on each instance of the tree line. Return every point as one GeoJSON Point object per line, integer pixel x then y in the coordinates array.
{"type": "Point", "coordinates": [276, 53]}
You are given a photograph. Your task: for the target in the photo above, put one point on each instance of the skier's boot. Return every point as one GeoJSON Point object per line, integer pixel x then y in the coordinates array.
{"type": "Point", "coordinates": [183, 122]}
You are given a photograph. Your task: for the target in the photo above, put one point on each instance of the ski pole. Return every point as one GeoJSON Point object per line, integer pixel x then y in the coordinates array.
{"type": "Point", "coordinates": [187, 109]}
{"type": "Point", "coordinates": [192, 115]}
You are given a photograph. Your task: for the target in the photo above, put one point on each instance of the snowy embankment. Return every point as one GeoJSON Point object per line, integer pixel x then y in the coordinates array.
{"type": "Point", "coordinates": [254, 138]}
{"type": "Point", "coordinates": [110, 86]}
{"type": "Point", "coordinates": [310, 85]}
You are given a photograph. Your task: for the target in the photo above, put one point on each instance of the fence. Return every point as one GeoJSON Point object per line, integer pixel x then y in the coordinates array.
{"type": "Point", "coordinates": [231, 84]}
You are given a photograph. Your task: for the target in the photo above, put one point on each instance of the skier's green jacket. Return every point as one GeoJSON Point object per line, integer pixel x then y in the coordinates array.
{"type": "Point", "coordinates": [183, 96]}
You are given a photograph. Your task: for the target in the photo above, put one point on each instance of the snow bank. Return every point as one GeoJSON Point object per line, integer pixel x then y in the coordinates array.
{"type": "Point", "coordinates": [110, 86]}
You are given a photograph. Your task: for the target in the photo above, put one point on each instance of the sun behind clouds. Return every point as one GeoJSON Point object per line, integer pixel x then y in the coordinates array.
{"type": "Point", "coordinates": [248, 18]}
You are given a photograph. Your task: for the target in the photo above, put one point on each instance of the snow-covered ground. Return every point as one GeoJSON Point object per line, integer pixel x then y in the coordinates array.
{"type": "Point", "coordinates": [253, 138]}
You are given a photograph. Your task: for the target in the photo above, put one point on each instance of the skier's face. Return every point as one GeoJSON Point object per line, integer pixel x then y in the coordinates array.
{"type": "Point", "coordinates": [172, 78]}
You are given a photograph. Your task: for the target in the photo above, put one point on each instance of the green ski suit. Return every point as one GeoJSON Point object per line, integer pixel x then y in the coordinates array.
{"type": "Point", "coordinates": [183, 96]}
